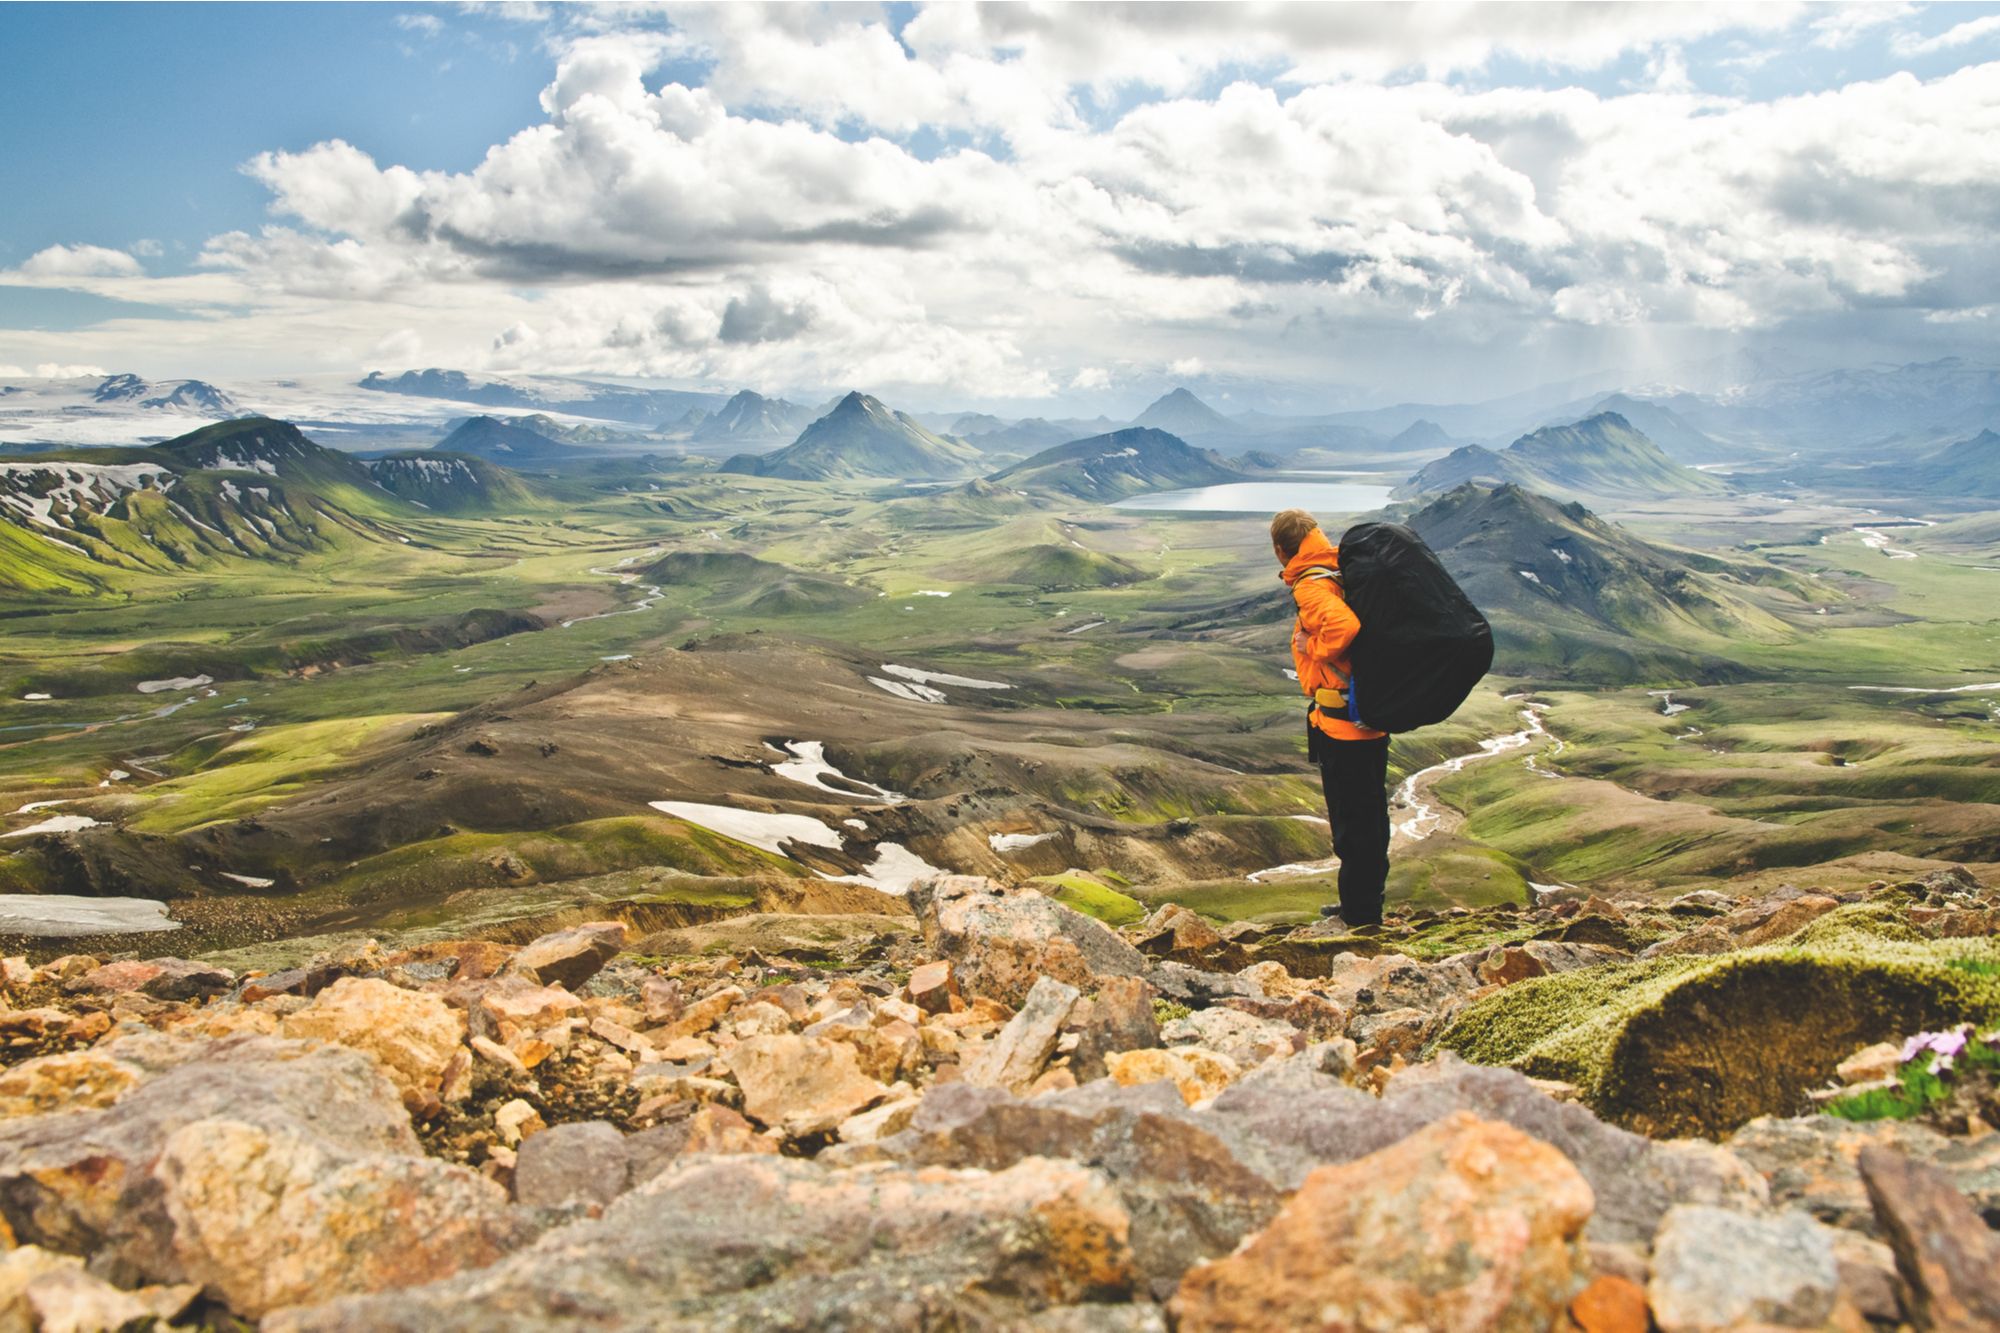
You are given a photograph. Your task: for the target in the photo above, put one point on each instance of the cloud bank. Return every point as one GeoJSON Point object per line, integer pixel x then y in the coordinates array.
{"type": "Point", "coordinates": [1012, 202]}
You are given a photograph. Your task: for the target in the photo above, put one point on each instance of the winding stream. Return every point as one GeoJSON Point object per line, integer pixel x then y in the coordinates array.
{"type": "Point", "coordinates": [1423, 820]}
{"type": "Point", "coordinates": [653, 593]}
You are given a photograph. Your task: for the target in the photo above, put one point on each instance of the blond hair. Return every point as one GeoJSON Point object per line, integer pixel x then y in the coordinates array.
{"type": "Point", "coordinates": [1289, 529]}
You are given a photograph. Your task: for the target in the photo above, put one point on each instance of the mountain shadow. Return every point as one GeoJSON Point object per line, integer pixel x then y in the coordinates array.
{"type": "Point", "coordinates": [1110, 467]}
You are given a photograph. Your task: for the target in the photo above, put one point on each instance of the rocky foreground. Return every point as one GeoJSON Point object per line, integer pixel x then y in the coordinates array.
{"type": "Point", "coordinates": [1007, 1115]}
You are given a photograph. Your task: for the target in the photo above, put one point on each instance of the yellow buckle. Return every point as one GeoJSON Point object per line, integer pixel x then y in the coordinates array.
{"type": "Point", "coordinates": [1328, 698]}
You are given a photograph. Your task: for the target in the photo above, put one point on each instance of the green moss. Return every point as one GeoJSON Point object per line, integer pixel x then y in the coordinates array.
{"type": "Point", "coordinates": [1085, 894]}
{"type": "Point", "coordinates": [1700, 1045]}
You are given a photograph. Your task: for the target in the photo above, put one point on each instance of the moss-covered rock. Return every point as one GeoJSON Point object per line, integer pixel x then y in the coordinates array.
{"type": "Point", "coordinates": [1701, 1045]}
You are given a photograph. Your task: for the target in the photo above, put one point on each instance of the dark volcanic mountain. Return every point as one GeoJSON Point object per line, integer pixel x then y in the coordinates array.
{"type": "Point", "coordinates": [1184, 414]}
{"type": "Point", "coordinates": [1598, 456]}
{"type": "Point", "coordinates": [751, 418]}
{"type": "Point", "coordinates": [504, 442]}
{"type": "Point", "coordinates": [862, 437]}
{"type": "Point", "coordinates": [1572, 596]}
{"type": "Point", "coordinates": [453, 483]}
{"type": "Point", "coordinates": [1110, 467]}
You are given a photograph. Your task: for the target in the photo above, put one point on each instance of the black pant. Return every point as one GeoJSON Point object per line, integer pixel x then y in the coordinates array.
{"type": "Point", "coordinates": [1355, 775]}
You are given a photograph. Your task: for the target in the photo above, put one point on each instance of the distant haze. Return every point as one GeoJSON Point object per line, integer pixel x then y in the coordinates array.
{"type": "Point", "coordinates": [1042, 212]}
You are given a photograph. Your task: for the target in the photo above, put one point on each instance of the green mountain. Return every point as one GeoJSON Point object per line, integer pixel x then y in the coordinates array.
{"type": "Point", "coordinates": [861, 437]}
{"type": "Point", "coordinates": [454, 483]}
{"type": "Point", "coordinates": [1110, 467]}
{"type": "Point", "coordinates": [252, 489]}
{"type": "Point", "coordinates": [1598, 456]}
{"type": "Point", "coordinates": [1184, 414]}
{"type": "Point", "coordinates": [732, 581]}
{"type": "Point", "coordinates": [1054, 568]}
{"type": "Point", "coordinates": [1572, 596]}
{"type": "Point", "coordinates": [1677, 439]}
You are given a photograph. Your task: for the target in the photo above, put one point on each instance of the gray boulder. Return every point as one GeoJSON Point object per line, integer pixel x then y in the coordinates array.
{"type": "Point", "coordinates": [734, 1244]}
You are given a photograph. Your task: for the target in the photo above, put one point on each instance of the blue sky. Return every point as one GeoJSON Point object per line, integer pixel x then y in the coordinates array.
{"type": "Point", "coordinates": [974, 209]}
{"type": "Point", "coordinates": [132, 121]}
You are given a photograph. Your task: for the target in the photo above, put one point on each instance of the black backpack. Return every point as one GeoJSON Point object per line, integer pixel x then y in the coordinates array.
{"type": "Point", "coordinates": [1422, 646]}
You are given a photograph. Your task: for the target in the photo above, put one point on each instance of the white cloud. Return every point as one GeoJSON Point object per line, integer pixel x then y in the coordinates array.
{"type": "Point", "coordinates": [428, 24]}
{"type": "Point", "coordinates": [50, 370]}
{"type": "Point", "coordinates": [401, 348]}
{"type": "Point", "coordinates": [1844, 26]}
{"type": "Point", "coordinates": [80, 261]}
{"type": "Point", "coordinates": [1908, 44]}
{"type": "Point", "coordinates": [12, 373]}
{"type": "Point", "coordinates": [779, 226]}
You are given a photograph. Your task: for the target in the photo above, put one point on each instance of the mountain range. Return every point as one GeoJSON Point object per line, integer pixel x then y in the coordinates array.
{"type": "Point", "coordinates": [1599, 456]}
{"type": "Point", "coordinates": [611, 402]}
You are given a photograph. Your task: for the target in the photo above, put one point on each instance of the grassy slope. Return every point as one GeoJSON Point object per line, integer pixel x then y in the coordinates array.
{"type": "Point", "coordinates": [1603, 821]}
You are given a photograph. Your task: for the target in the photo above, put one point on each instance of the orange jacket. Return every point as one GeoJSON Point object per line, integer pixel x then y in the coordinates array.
{"type": "Point", "coordinates": [1324, 630]}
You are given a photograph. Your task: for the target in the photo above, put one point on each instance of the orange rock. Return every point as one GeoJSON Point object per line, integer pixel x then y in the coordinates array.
{"type": "Point", "coordinates": [1611, 1305]}
{"type": "Point", "coordinates": [1793, 917]}
{"type": "Point", "coordinates": [933, 987]}
{"type": "Point", "coordinates": [1510, 966]}
{"type": "Point", "coordinates": [1466, 1224]}
{"type": "Point", "coordinates": [717, 1129]}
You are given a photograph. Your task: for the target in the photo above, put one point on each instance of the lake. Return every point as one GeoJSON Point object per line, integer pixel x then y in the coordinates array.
{"type": "Point", "coordinates": [1267, 497]}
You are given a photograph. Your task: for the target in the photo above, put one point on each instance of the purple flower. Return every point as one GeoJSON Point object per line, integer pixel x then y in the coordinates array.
{"type": "Point", "coordinates": [1942, 1044]}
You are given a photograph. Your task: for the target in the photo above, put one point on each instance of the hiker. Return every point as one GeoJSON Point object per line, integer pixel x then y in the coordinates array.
{"type": "Point", "coordinates": [1353, 760]}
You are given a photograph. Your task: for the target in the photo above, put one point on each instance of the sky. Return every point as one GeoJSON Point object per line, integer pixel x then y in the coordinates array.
{"type": "Point", "coordinates": [1034, 208]}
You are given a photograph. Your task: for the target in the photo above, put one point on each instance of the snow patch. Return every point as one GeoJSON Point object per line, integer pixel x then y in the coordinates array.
{"type": "Point", "coordinates": [1018, 842]}
{"type": "Point", "coordinates": [250, 881]}
{"type": "Point", "coordinates": [60, 824]}
{"type": "Point", "coordinates": [810, 766]}
{"type": "Point", "coordinates": [895, 868]}
{"type": "Point", "coordinates": [34, 696]}
{"type": "Point", "coordinates": [61, 914]}
{"type": "Point", "coordinates": [940, 678]}
{"type": "Point", "coordinates": [920, 694]}
{"type": "Point", "coordinates": [177, 683]}
{"type": "Point", "coordinates": [752, 826]}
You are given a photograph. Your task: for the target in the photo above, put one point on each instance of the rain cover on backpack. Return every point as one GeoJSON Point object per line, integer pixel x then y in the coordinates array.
{"type": "Point", "coordinates": [1423, 645]}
